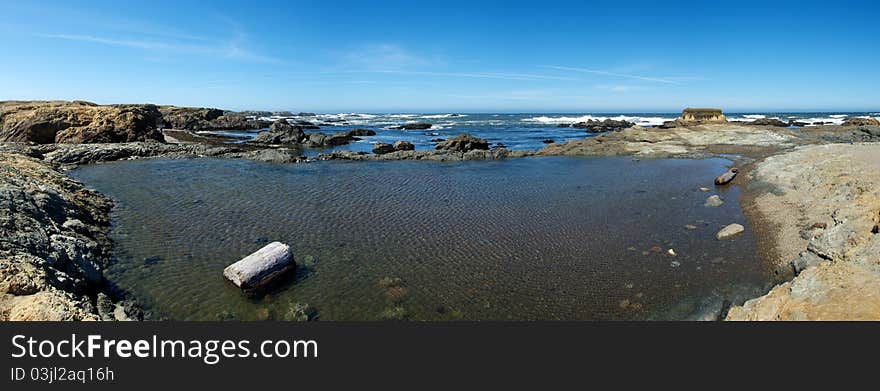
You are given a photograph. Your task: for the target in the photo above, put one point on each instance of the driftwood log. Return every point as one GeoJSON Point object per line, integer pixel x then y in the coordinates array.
{"type": "Point", "coordinates": [258, 270]}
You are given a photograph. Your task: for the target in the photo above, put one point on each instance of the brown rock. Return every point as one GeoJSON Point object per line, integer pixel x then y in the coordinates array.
{"type": "Point", "coordinates": [463, 143]}
{"type": "Point", "coordinates": [381, 148]}
{"type": "Point", "coordinates": [728, 176]}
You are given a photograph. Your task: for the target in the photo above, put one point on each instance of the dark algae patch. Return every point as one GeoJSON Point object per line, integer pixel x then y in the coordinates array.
{"type": "Point", "coordinates": [532, 238]}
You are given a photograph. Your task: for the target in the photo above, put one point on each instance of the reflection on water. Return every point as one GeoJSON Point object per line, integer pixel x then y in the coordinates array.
{"type": "Point", "coordinates": [535, 238]}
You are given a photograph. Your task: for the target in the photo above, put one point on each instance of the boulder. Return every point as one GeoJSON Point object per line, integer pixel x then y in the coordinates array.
{"type": "Point", "coordinates": [340, 138]}
{"type": "Point", "coordinates": [404, 146]}
{"type": "Point", "coordinates": [414, 126]}
{"type": "Point", "coordinates": [260, 269]}
{"type": "Point", "coordinates": [381, 148]}
{"type": "Point", "coordinates": [728, 176]}
{"type": "Point", "coordinates": [729, 231]}
{"type": "Point", "coordinates": [859, 121]}
{"type": "Point", "coordinates": [463, 143]}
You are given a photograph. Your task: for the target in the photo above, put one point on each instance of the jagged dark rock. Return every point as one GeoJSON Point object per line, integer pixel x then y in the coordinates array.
{"type": "Point", "coordinates": [381, 148]}
{"type": "Point", "coordinates": [415, 126]}
{"type": "Point", "coordinates": [463, 143]}
{"type": "Point", "coordinates": [608, 125]}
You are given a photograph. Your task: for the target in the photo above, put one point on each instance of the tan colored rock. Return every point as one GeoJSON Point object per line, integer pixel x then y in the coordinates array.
{"type": "Point", "coordinates": [829, 291]}
{"type": "Point", "coordinates": [729, 231]}
{"type": "Point", "coordinates": [839, 268]}
{"type": "Point", "coordinates": [77, 122]}
{"type": "Point", "coordinates": [691, 115]}
{"type": "Point", "coordinates": [51, 305]}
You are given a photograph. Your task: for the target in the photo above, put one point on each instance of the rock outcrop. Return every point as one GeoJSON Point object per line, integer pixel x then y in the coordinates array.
{"type": "Point", "coordinates": [701, 116]}
{"type": "Point", "coordinates": [607, 125]}
{"type": "Point", "coordinates": [192, 118]}
{"type": "Point", "coordinates": [859, 121]}
{"type": "Point", "coordinates": [463, 143]}
{"type": "Point", "coordinates": [46, 122]}
{"type": "Point", "coordinates": [54, 246]}
{"type": "Point", "coordinates": [281, 132]}
{"type": "Point", "coordinates": [825, 203]}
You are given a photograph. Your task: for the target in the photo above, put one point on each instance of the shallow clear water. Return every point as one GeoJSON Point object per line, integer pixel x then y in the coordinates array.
{"type": "Point", "coordinates": [533, 238]}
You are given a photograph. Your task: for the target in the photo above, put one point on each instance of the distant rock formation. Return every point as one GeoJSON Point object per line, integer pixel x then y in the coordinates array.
{"type": "Point", "coordinates": [281, 132]}
{"type": "Point", "coordinates": [690, 115]}
{"type": "Point", "coordinates": [768, 122]}
{"type": "Point", "coordinates": [860, 121]}
{"type": "Point", "coordinates": [415, 126]}
{"type": "Point", "coordinates": [596, 126]}
{"type": "Point", "coordinates": [195, 118]}
{"type": "Point", "coordinates": [47, 122]}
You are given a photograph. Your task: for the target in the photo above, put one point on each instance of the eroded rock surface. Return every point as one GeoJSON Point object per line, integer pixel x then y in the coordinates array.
{"type": "Point", "coordinates": [825, 203]}
{"type": "Point", "coordinates": [54, 243]}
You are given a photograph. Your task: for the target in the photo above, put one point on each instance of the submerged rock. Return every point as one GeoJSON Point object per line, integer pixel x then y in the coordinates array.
{"type": "Point", "coordinates": [301, 312]}
{"type": "Point", "coordinates": [714, 201]}
{"type": "Point", "coordinates": [729, 231]}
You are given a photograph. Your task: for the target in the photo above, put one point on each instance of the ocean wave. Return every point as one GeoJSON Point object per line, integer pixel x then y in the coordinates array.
{"type": "Point", "coordinates": [444, 115]}
{"type": "Point", "coordinates": [838, 116]}
{"type": "Point", "coordinates": [641, 121]}
{"type": "Point", "coordinates": [755, 116]}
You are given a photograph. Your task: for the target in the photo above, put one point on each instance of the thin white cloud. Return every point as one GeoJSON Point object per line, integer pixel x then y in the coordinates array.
{"type": "Point", "coordinates": [473, 75]}
{"type": "Point", "coordinates": [606, 73]}
{"type": "Point", "coordinates": [232, 49]}
{"type": "Point", "coordinates": [618, 88]}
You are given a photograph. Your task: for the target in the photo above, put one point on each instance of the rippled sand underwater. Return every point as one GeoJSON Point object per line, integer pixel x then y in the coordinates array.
{"type": "Point", "coordinates": [534, 238]}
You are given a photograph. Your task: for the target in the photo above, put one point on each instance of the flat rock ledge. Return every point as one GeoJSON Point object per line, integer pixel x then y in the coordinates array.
{"type": "Point", "coordinates": [54, 247]}
{"type": "Point", "coordinates": [824, 203]}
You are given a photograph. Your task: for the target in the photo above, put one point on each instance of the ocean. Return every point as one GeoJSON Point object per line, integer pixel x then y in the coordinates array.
{"type": "Point", "coordinates": [514, 131]}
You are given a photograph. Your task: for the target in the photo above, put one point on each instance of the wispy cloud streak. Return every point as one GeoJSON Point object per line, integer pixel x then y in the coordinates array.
{"type": "Point", "coordinates": [606, 73]}
{"type": "Point", "coordinates": [475, 75]}
{"type": "Point", "coordinates": [231, 49]}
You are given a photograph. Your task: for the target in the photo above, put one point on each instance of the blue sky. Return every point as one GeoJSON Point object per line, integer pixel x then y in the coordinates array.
{"type": "Point", "coordinates": [473, 56]}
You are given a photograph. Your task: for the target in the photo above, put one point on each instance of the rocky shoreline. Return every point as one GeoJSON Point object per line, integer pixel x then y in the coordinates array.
{"type": "Point", "coordinates": [55, 242]}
